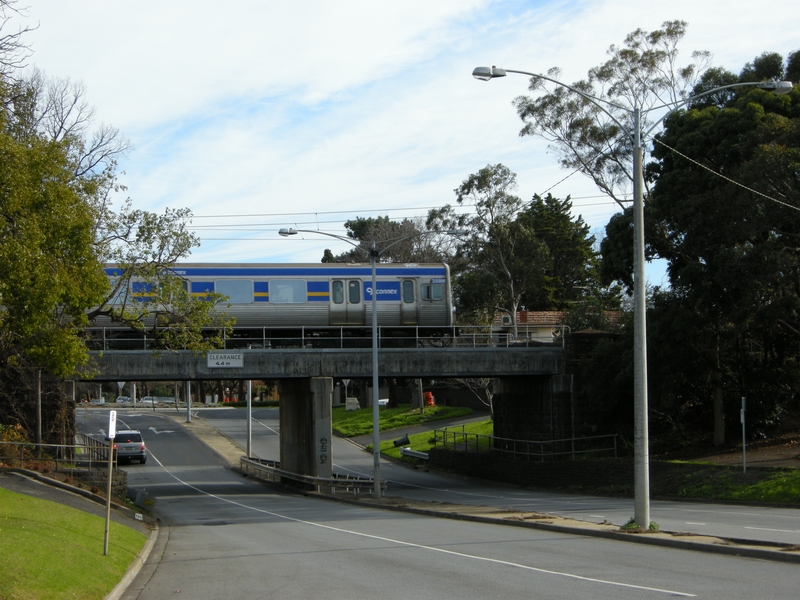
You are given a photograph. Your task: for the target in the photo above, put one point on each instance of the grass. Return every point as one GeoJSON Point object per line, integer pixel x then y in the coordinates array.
{"type": "Point", "coordinates": [54, 551]}
{"type": "Point", "coordinates": [422, 442]}
{"type": "Point", "coordinates": [353, 423]}
{"type": "Point", "coordinates": [779, 486]}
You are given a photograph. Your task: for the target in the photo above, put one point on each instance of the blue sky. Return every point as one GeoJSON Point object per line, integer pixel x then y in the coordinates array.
{"type": "Point", "coordinates": [258, 115]}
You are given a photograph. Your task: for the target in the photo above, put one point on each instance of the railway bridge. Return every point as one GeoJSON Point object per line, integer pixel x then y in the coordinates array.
{"type": "Point", "coordinates": [528, 381]}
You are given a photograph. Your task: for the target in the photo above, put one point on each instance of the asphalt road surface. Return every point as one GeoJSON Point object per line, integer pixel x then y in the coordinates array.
{"type": "Point", "coordinates": [781, 525]}
{"type": "Point", "coordinates": [225, 536]}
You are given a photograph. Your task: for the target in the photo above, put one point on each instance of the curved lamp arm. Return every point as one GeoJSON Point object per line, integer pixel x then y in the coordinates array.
{"type": "Point", "coordinates": [372, 253]}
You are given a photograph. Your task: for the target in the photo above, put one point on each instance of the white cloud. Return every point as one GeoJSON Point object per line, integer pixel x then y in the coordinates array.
{"type": "Point", "coordinates": [300, 108]}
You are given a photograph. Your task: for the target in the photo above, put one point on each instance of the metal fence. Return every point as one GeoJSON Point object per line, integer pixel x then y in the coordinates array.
{"type": "Point", "coordinates": [111, 338]}
{"type": "Point", "coordinates": [541, 450]}
{"type": "Point", "coordinates": [88, 453]}
{"type": "Point", "coordinates": [269, 470]}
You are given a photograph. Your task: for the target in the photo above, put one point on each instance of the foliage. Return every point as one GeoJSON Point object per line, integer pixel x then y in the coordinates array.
{"type": "Point", "coordinates": [642, 73]}
{"type": "Point", "coordinates": [733, 255]}
{"type": "Point", "coordinates": [359, 422]}
{"type": "Point", "coordinates": [54, 551]}
{"type": "Point", "coordinates": [50, 273]}
{"type": "Point", "coordinates": [515, 253]}
{"type": "Point", "coordinates": [397, 242]}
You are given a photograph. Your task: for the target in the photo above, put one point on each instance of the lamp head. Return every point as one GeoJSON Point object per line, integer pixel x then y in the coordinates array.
{"type": "Point", "coordinates": [487, 73]}
{"type": "Point", "coordinates": [287, 231]}
{"type": "Point", "coordinates": [777, 87]}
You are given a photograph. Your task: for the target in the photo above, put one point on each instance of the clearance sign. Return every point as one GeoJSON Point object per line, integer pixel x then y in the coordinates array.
{"type": "Point", "coordinates": [225, 360]}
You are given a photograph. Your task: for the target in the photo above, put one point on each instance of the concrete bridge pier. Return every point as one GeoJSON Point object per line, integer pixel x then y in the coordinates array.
{"type": "Point", "coordinates": [535, 407]}
{"type": "Point", "coordinates": [305, 419]}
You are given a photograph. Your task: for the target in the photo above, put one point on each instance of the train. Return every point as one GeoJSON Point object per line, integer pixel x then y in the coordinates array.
{"type": "Point", "coordinates": [313, 301]}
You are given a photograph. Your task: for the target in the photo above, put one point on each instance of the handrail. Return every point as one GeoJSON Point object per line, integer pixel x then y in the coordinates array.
{"type": "Point", "coordinates": [335, 337]}
{"type": "Point", "coordinates": [269, 470]}
{"type": "Point", "coordinates": [465, 442]}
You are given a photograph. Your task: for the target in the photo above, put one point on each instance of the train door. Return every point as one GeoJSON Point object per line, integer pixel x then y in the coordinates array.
{"type": "Point", "coordinates": [347, 302]}
{"type": "Point", "coordinates": [408, 305]}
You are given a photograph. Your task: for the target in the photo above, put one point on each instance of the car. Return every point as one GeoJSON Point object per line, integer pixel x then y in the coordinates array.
{"type": "Point", "coordinates": [148, 400]}
{"type": "Point", "coordinates": [123, 400]}
{"type": "Point", "coordinates": [130, 446]}
{"type": "Point", "coordinates": [97, 401]}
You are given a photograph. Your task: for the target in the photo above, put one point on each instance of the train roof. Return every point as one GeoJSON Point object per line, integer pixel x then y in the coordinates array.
{"type": "Point", "coordinates": [299, 269]}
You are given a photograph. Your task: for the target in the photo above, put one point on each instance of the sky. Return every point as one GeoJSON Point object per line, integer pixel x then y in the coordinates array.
{"type": "Point", "coordinates": [258, 115]}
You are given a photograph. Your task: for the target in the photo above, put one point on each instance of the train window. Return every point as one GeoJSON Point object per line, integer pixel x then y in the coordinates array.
{"type": "Point", "coordinates": [287, 291]}
{"type": "Point", "coordinates": [337, 292]}
{"type": "Point", "coordinates": [432, 291]}
{"type": "Point", "coordinates": [354, 292]}
{"type": "Point", "coordinates": [239, 291]}
{"type": "Point", "coordinates": [408, 291]}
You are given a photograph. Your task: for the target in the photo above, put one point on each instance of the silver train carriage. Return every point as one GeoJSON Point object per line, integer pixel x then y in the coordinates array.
{"type": "Point", "coordinates": [324, 299]}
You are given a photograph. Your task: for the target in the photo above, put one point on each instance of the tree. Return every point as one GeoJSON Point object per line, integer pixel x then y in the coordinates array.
{"type": "Point", "coordinates": [501, 257]}
{"type": "Point", "coordinates": [50, 272]}
{"type": "Point", "coordinates": [573, 263]}
{"type": "Point", "coordinates": [420, 244]}
{"type": "Point", "coordinates": [726, 204]}
{"type": "Point", "coordinates": [643, 73]}
{"type": "Point", "coordinates": [13, 50]}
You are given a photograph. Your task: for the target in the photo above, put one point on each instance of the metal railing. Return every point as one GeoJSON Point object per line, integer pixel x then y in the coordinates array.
{"type": "Point", "coordinates": [88, 453]}
{"type": "Point", "coordinates": [541, 450]}
{"type": "Point", "coordinates": [269, 470]}
{"type": "Point", "coordinates": [111, 338]}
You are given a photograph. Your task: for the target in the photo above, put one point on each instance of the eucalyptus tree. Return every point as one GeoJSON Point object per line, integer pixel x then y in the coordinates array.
{"type": "Point", "coordinates": [643, 73]}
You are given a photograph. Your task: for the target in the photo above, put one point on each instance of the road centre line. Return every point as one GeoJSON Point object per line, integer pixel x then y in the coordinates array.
{"type": "Point", "coordinates": [424, 547]}
{"type": "Point", "coordinates": [778, 530]}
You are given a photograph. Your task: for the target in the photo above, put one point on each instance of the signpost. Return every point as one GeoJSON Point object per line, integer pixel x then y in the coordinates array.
{"type": "Point", "coordinates": [112, 433]}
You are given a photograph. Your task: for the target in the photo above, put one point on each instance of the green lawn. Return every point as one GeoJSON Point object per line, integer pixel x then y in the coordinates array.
{"type": "Point", "coordinates": [359, 422]}
{"type": "Point", "coordinates": [48, 550]}
{"type": "Point", "coordinates": [422, 442]}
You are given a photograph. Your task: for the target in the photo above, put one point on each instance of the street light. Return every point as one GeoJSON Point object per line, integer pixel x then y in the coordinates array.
{"type": "Point", "coordinates": [641, 451]}
{"type": "Point", "coordinates": [373, 254]}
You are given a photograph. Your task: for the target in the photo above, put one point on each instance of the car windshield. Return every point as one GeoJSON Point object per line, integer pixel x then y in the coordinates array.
{"type": "Point", "coordinates": [125, 438]}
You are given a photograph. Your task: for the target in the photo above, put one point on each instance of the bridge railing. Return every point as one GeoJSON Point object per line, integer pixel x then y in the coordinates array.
{"type": "Point", "coordinates": [469, 336]}
{"type": "Point", "coordinates": [541, 450]}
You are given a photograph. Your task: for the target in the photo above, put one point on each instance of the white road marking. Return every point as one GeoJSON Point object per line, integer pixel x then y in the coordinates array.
{"type": "Point", "coordinates": [692, 523]}
{"type": "Point", "coordinates": [424, 547]}
{"type": "Point", "coordinates": [157, 432]}
{"type": "Point", "coordinates": [778, 530]}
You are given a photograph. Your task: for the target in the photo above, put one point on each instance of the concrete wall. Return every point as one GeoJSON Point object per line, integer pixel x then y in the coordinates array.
{"type": "Point", "coordinates": [305, 419]}
{"type": "Point", "coordinates": [352, 364]}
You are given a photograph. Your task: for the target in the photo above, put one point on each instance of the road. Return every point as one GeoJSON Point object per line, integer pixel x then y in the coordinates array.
{"type": "Point", "coordinates": [227, 536]}
{"type": "Point", "coordinates": [781, 525]}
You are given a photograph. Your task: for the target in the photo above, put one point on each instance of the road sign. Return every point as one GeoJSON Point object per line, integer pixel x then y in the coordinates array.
{"type": "Point", "coordinates": [225, 360]}
{"type": "Point", "coordinates": [112, 424]}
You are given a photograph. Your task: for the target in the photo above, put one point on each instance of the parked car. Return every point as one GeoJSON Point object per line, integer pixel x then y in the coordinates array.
{"type": "Point", "coordinates": [130, 446]}
{"type": "Point", "coordinates": [123, 400]}
{"type": "Point", "coordinates": [148, 400]}
{"type": "Point", "coordinates": [97, 401]}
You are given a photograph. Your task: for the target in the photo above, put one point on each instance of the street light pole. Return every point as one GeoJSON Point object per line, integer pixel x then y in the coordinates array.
{"type": "Point", "coordinates": [640, 428]}
{"type": "Point", "coordinates": [373, 254]}
{"type": "Point", "coordinates": [376, 420]}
